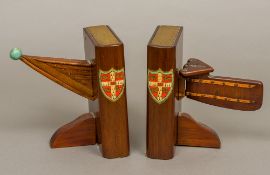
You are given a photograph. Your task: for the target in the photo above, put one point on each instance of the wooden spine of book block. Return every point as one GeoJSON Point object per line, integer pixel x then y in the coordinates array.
{"type": "Point", "coordinates": [161, 118]}
{"type": "Point", "coordinates": [112, 115]}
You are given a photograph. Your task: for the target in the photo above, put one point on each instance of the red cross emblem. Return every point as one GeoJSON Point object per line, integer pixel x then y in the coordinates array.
{"type": "Point", "coordinates": [160, 84]}
{"type": "Point", "coordinates": [112, 83]}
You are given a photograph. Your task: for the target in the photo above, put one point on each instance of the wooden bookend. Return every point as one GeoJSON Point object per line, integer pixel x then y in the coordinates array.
{"type": "Point", "coordinates": [101, 79]}
{"type": "Point", "coordinates": [167, 79]}
{"type": "Point", "coordinates": [166, 87]}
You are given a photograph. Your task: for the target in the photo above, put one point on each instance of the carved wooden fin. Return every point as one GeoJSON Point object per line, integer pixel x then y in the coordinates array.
{"type": "Point", "coordinates": [195, 67]}
{"type": "Point", "coordinates": [80, 132]}
{"type": "Point", "coordinates": [78, 76]}
{"type": "Point", "coordinates": [232, 93]}
{"type": "Point", "coordinates": [192, 133]}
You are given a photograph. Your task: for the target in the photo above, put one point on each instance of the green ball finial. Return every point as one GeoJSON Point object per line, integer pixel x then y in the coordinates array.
{"type": "Point", "coordinates": [15, 53]}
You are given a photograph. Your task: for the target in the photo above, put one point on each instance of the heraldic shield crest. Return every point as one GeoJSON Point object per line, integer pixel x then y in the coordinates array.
{"type": "Point", "coordinates": [112, 83]}
{"type": "Point", "coordinates": [160, 84]}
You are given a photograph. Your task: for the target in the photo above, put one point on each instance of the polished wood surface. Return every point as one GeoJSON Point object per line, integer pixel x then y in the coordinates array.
{"type": "Point", "coordinates": [113, 116]}
{"type": "Point", "coordinates": [161, 121]}
{"type": "Point", "coordinates": [180, 86]}
{"type": "Point", "coordinates": [75, 75]}
{"type": "Point", "coordinates": [195, 67]}
{"type": "Point", "coordinates": [194, 82]}
{"type": "Point", "coordinates": [193, 133]}
{"type": "Point", "coordinates": [226, 92]}
{"type": "Point", "coordinates": [107, 124]}
{"type": "Point", "coordinates": [80, 132]}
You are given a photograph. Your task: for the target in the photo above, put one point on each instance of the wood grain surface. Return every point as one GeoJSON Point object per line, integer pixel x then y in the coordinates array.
{"type": "Point", "coordinates": [161, 120]}
{"type": "Point", "coordinates": [193, 133]}
{"type": "Point", "coordinates": [75, 75]}
{"type": "Point", "coordinates": [113, 116]}
{"type": "Point", "coordinates": [80, 132]}
{"type": "Point", "coordinates": [226, 92]}
{"type": "Point", "coordinates": [108, 122]}
{"type": "Point", "coordinates": [165, 128]}
{"type": "Point", "coordinates": [195, 67]}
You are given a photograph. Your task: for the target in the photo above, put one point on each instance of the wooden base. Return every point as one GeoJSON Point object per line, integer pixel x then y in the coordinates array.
{"type": "Point", "coordinates": [83, 131]}
{"type": "Point", "coordinates": [193, 133]}
{"type": "Point", "coordinates": [80, 132]}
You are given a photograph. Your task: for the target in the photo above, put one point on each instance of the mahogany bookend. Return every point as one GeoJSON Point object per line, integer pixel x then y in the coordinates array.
{"type": "Point", "coordinates": [80, 132]}
{"type": "Point", "coordinates": [101, 79]}
{"type": "Point", "coordinates": [168, 82]}
{"type": "Point", "coordinates": [193, 133]}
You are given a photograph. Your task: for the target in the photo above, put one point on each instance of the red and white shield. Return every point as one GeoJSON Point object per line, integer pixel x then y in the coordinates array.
{"type": "Point", "coordinates": [160, 84]}
{"type": "Point", "coordinates": [112, 83]}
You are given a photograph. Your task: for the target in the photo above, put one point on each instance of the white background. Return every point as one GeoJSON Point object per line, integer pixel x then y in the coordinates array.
{"type": "Point", "coordinates": [233, 36]}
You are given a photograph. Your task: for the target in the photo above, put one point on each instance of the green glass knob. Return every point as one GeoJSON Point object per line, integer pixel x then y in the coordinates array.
{"type": "Point", "coordinates": [15, 53]}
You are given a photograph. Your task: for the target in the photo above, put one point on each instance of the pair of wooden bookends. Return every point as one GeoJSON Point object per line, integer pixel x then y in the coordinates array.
{"type": "Point", "coordinates": [101, 79]}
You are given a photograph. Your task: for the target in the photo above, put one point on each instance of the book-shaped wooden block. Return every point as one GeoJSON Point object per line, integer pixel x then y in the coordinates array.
{"type": "Point", "coordinates": [101, 79]}
{"type": "Point", "coordinates": [168, 81]}
{"type": "Point", "coordinates": [162, 50]}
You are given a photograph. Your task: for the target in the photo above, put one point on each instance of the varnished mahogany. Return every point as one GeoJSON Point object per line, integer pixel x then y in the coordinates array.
{"type": "Point", "coordinates": [79, 132]}
{"type": "Point", "coordinates": [113, 116]}
{"type": "Point", "coordinates": [165, 126]}
{"type": "Point", "coordinates": [227, 92]}
{"type": "Point", "coordinates": [192, 133]}
{"type": "Point", "coordinates": [75, 75]}
{"type": "Point", "coordinates": [161, 120]}
{"type": "Point", "coordinates": [107, 124]}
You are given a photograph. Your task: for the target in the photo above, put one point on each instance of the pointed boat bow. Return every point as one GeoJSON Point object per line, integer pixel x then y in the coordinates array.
{"type": "Point", "coordinates": [79, 76]}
